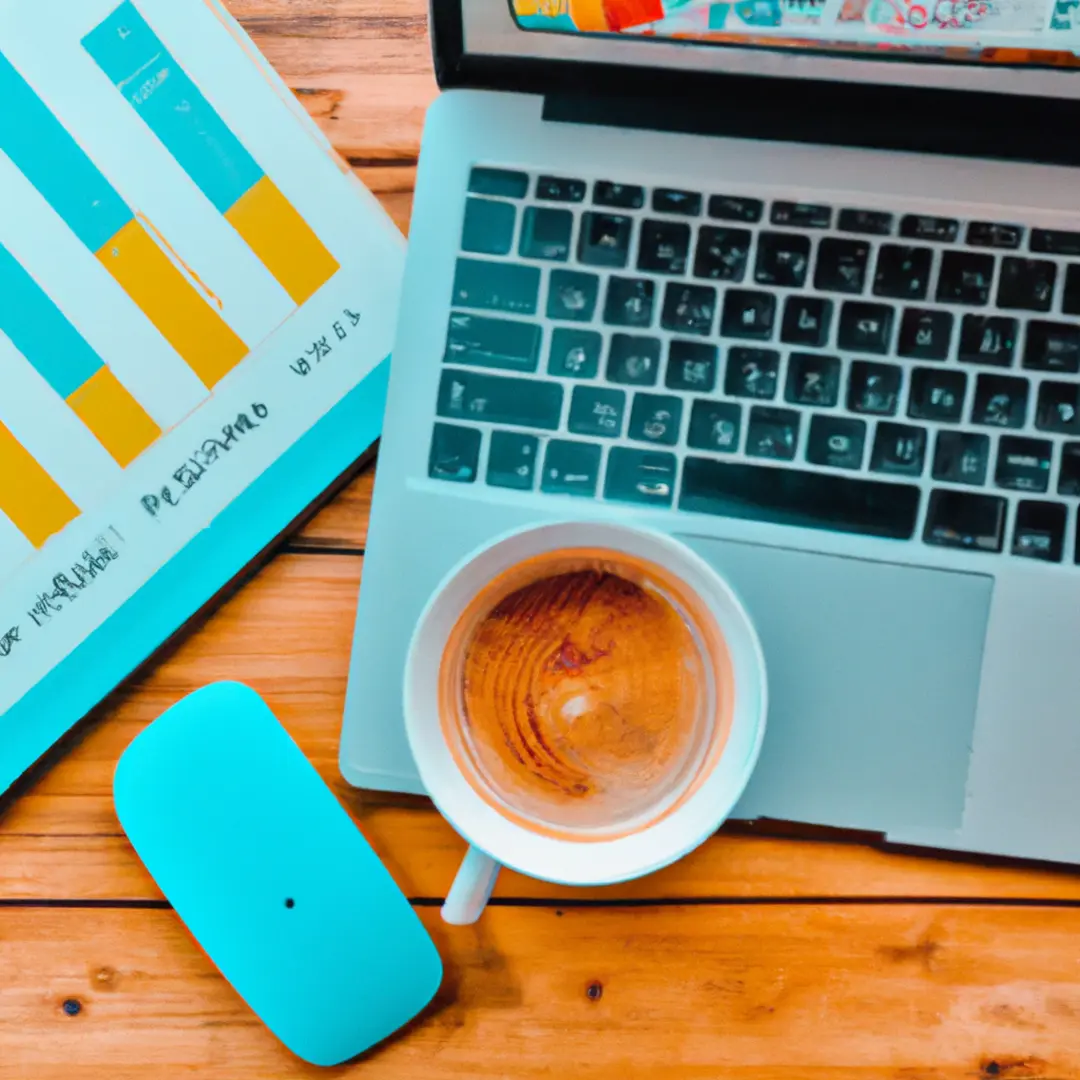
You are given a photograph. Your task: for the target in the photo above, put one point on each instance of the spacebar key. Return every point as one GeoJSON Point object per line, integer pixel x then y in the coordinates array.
{"type": "Point", "coordinates": [805, 499]}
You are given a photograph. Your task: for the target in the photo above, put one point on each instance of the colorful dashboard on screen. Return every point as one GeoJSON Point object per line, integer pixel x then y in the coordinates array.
{"type": "Point", "coordinates": [1036, 32]}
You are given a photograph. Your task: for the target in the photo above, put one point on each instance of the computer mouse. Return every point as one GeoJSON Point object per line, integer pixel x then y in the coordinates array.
{"type": "Point", "coordinates": [272, 877]}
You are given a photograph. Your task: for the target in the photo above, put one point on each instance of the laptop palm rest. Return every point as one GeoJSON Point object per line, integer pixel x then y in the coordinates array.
{"type": "Point", "coordinates": [873, 683]}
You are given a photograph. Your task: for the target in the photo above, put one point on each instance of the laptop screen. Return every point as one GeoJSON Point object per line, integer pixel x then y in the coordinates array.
{"type": "Point", "coordinates": [1034, 33]}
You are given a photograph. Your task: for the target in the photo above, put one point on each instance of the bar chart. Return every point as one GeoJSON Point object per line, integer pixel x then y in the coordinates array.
{"type": "Point", "coordinates": [76, 189]}
{"type": "Point", "coordinates": [63, 159]}
{"type": "Point", "coordinates": [64, 359]}
{"type": "Point", "coordinates": [140, 66]}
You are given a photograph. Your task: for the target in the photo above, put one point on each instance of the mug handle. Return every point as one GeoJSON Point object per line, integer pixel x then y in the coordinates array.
{"type": "Point", "coordinates": [472, 888]}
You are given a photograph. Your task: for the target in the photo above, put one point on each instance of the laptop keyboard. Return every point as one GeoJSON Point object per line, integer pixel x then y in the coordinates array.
{"type": "Point", "coordinates": [844, 368]}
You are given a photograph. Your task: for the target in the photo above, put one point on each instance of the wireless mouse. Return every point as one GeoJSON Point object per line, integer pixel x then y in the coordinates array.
{"type": "Point", "coordinates": [271, 876]}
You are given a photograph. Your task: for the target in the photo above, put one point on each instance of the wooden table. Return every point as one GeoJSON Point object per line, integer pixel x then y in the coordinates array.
{"type": "Point", "coordinates": [757, 957]}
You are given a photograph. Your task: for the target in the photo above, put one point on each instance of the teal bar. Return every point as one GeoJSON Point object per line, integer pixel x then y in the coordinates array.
{"type": "Point", "coordinates": [55, 164]}
{"type": "Point", "coordinates": [136, 61]}
{"type": "Point", "coordinates": [41, 331]}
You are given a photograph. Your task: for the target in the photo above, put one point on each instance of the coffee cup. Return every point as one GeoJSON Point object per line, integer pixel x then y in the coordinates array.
{"type": "Point", "coordinates": [585, 703]}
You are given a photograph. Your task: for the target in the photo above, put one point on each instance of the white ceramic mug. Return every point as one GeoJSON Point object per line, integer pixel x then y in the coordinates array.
{"type": "Point", "coordinates": [736, 672]}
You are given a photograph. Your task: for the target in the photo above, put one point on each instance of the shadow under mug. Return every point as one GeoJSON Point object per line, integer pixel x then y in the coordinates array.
{"type": "Point", "coordinates": [736, 695]}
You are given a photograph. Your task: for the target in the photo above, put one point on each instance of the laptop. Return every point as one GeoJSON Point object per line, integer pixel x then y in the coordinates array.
{"type": "Point", "coordinates": [799, 284]}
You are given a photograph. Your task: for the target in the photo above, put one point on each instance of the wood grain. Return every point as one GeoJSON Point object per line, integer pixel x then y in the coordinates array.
{"type": "Point", "coordinates": [361, 67]}
{"type": "Point", "coordinates": [288, 634]}
{"type": "Point", "coordinates": [759, 957]}
{"type": "Point", "coordinates": [767, 992]}
{"type": "Point", "coordinates": [342, 525]}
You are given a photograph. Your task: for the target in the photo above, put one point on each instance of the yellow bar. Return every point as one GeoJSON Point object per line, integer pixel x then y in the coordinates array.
{"type": "Point", "coordinates": [283, 240]}
{"type": "Point", "coordinates": [29, 495]}
{"type": "Point", "coordinates": [118, 421]}
{"type": "Point", "coordinates": [197, 332]}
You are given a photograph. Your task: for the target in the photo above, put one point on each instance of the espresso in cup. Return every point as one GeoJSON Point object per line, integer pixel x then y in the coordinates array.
{"type": "Point", "coordinates": [582, 696]}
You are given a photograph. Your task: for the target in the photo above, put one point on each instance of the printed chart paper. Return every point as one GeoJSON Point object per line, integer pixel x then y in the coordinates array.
{"type": "Point", "coordinates": [190, 281]}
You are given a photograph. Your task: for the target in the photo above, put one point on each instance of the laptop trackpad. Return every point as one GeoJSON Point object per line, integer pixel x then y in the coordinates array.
{"type": "Point", "coordinates": [873, 684]}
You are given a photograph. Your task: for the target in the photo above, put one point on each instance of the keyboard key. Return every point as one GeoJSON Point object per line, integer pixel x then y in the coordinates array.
{"type": "Point", "coordinates": [801, 215]}
{"type": "Point", "coordinates": [1039, 532]}
{"type": "Point", "coordinates": [721, 253]}
{"type": "Point", "coordinates": [545, 233]}
{"type": "Point", "coordinates": [597, 410]}
{"type": "Point", "coordinates": [510, 185]}
{"type": "Point", "coordinates": [672, 201]}
{"type": "Point", "coordinates": [641, 476]}
{"type": "Point", "coordinates": [807, 320]}
{"type": "Point", "coordinates": [868, 222]}
{"type": "Point", "coordinates": [512, 460]}
{"type": "Point", "coordinates": [735, 208]}
{"type": "Point", "coordinates": [748, 314]}
{"type": "Point", "coordinates": [1055, 242]}
{"type": "Point", "coordinates": [961, 457]}
{"type": "Point", "coordinates": [1070, 302]}
{"type": "Point", "coordinates": [619, 196]}
{"type": "Point", "coordinates": [629, 302]}
{"type": "Point", "coordinates": [572, 295]}
{"type": "Point", "coordinates": [813, 379]}
{"type": "Point", "coordinates": [751, 373]}
{"type": "Point", "coordinates": [492, 343]}
{"type": "Point", "coordinates": [994, 235]}
{"type": "Point", "coordinates": [988, 339]}
{"type": "Point", "coordinates": [837, 441]}
{"type": "Point", "coordinates": [782, 259]}
{"type": "Point", "coordinates": [560, 189]}
{"type": "Point", "coordinates": [899, 449]}
{"type": "Point", "coordinates": [923, 227]}
{"type": "Point", "coordinates": [497, 286]}
{"type": "Point", "coordinates": [772, 433]}
{"type": "Point", "coordinates": [633, 361]}
{"type": "Point", "coordinates": [841, 265]}
{"type": "Point", "coordinates": [962, 519]}
{"type": "Point", "coordinates": [455, 453]}
{"type": "Point", "coordinates": [865, 327]}
{"type": "Point", "coordinates": [655, 418]}
{"type": "Point", "coordinates": [1023, 464]}
{"type": "Point", "coordinates": [1058, 408]}
{"type": "Point", "coordinates": [604, 240]}
{"type": "Point", "coordinates": [1000, 401]}
{"type": "Point", "coordinates": [902, 273]}
{"type": "Point", "coordinates": [688, 309]}
{"type": "Point", "coordinates": [499, 400]}
{"type": "Point", "coordinates": [937, 394]}
{"type": "Point", "coordinates": [874, 388]}
{"type": "Point", "coordinates": [1052, 347]}
{"type": "Point", "coordinates": [715, 425]}
{"type": "Point", "coordinates": [1026, 284]}
{"type": "Point", "coordinates": [574, 354]}
{"type": "Point", "coordinates": [691, 365]}
{"type": "Point", "coordinates": [665, 247]}
{"type": "Point", "coordinates": [810, 500]}
{"type": "Point", "coordinates": [925, 335]}
{"type": "Point", "coordinates": [489, 227]}
{"type": "Point", "coordinates": [1069, 472]}
{"type": "Point", "coordinates": [965, 278]}
{"type": "Point", "coordinates": [570, 468]}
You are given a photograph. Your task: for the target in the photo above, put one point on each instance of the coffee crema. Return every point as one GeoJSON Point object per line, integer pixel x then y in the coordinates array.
{"type": "Point", "coordinates": [583, 699]}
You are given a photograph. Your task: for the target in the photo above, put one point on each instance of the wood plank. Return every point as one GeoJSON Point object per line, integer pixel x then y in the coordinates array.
{"type": "Point", "coordinates": [770, 992]}
{"type": "Point", "coordinates": [343, 524]}
{"type": "Point", "coordinates": [362, 68]}
{"type": "Point", "coordinates": [288, 635]}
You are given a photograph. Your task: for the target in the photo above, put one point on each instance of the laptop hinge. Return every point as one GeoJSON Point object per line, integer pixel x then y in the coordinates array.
{"type": "Point", "coordinates": [919, 120]}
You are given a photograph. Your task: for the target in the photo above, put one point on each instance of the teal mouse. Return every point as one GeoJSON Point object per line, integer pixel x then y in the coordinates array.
{"type": "Point", "coordinates": [271, 876]}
